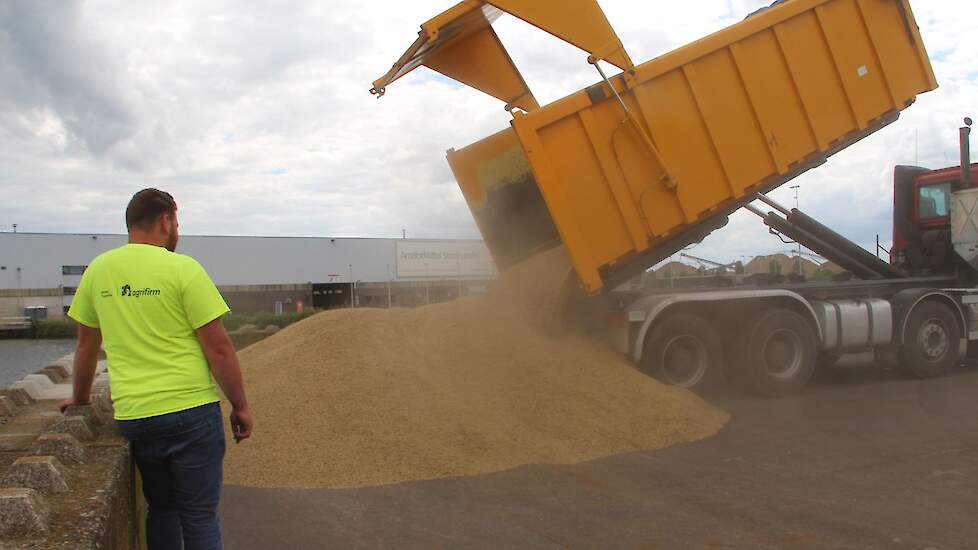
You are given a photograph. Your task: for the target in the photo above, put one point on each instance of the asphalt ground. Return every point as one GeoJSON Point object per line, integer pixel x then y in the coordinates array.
{"type": "Point", "coordinates": [868, 460]}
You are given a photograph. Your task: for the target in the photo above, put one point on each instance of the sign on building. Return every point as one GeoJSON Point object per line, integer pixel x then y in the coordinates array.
{"type": "Point", "coordinates": [420, 259]}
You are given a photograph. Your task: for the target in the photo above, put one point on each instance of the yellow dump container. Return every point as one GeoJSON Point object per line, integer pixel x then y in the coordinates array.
{"type": "Point", "coordinates": [626, 177]}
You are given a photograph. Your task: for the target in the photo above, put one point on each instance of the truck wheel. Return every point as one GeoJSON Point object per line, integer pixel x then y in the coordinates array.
{"type": "Point", "coordinates": [779, 353]}
{"type": "Point", "coordinates": [930, 346]}
{"type": "Point", "coordinates": [683, 350]}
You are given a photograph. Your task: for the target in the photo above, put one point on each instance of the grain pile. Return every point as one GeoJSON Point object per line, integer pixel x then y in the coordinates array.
{"type": "Point", "coordinates": [367, 397]}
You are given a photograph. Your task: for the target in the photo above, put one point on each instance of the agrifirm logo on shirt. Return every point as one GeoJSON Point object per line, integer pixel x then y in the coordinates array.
{"type": "Point", "coordinates": [127, 290]}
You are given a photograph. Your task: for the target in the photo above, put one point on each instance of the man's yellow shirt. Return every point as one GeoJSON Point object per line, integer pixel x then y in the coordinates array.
{"type": "Point", "coordinates": [148, 303]}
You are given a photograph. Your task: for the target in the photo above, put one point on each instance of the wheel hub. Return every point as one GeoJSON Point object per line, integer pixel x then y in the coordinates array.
{"type": "Point", "coordinates": [684, 361]}
{"type": "Point", "coordinates": [932, 339]}
{"type": "Point", "coordinates": [783, 353]}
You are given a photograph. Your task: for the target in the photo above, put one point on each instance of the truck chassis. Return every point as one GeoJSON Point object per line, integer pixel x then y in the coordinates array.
{"type": "Point", "coordinates": [770, 340]}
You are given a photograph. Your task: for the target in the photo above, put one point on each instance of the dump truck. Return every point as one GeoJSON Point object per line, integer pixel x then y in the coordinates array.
{"type": "Point", "coordinates": [645, 162]}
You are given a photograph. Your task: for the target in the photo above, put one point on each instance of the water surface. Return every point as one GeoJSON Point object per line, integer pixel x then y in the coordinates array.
{"type": "Point", "coordinates": [22, 357]}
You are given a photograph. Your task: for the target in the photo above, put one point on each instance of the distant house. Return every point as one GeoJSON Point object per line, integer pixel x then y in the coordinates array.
{"type": "Point", "coordinates": [782, 264]}
{"type": "Point", "coordinates": [774, 264]}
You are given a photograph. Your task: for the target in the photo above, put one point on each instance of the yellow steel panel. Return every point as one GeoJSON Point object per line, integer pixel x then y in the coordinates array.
{"type": "Point", "coordinates": [819, 87]}
{"type": "Point", "coordinates": [671, 111]}
{"type": "Point", "coordinates": [610, 159]}
{"type": "Point", "coordinates": [724, 38]}
{"type": "Point", "coordinates": [480, 61]}
{"type": "Point", "coordinates": [855, 60]}
{"type": "Point", "coordinates": [450, 17]}
{"type": "Point", "coordinates": [590, 208]}
{"type": "Point", "coordinates": [905, 71]}
{"type": "Point", "coordinates": [775, 99]}
{"type": "Point", "coordinates": [559, 201]}
{"type": "Point", "coordinates": [730, 119]}
{"type": "Point", "coordinates": [461, 44]}
{"type": "Point", "coordinates": [643, 171]}
{"type": "Point", "coordinates": [579, 22]}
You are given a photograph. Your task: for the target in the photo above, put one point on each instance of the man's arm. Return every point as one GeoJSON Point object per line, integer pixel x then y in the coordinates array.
{"type": "Point", "coordinates": [86, 359]}
{"type": "Point", "coordinates": [224, 365]}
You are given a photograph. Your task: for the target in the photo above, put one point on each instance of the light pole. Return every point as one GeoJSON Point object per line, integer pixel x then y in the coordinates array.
{"type": "Point", "coordinates": [353, 298]}
{"type": "Point", "coordinates": [20, 297]}
{"type": "Point", "coordinates": [388, 286]}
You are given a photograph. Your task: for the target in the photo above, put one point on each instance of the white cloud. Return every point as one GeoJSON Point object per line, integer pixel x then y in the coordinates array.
{"type": "Point", "coordinates": [256, 116]}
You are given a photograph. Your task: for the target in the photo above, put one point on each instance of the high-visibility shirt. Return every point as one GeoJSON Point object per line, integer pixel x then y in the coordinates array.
{"type": "Point", "coordinates": [148, 303]}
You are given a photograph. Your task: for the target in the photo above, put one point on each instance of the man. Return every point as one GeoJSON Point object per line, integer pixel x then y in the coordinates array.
{"type": "Point", "coordinates": [160, 317]}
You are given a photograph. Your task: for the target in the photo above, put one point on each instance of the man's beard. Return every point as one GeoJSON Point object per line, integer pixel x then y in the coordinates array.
{"type": "Point", "coordinates": [171, 241]}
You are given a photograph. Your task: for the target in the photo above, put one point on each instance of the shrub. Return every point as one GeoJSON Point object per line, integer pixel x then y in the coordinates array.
{"type": "Point", "coordinates": [55, 328]}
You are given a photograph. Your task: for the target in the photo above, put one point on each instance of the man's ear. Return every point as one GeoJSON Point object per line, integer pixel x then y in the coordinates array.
{"type": "Point", "coordinates": [165, 223]}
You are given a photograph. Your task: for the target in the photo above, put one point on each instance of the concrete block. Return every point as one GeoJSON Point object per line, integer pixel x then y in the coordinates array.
{"type": "Point", "coordinates": [76, 426]}
{"type": "Point", "coordinates": [103, 402]}
{"type": "Point", "coordinates": [54, 375]}
{"type": "Point", "coordinates": [44, 474]}
{"type": "Point", "coordinates": [7, 407]}
{"type": "Point", "coordinates": [87, 412]}
{"type": "Point", "coordinates": [22, 512]}
{"type": "Point", "coordinates": [68, 365]}
{"type": "Point", "coordinates": [49, 419]}
{"type": "Point", "coordinates": [106, 413]}
{"type": "Point", "coordinates": [63, 446]}
{"type": "Point", "coordinates": [58, 392]}
{"type": "Point", "coordinates": [18, 396]}
{"type": "Point", "coordinates": [33, 389]}
{"type": "Point", "coordinates": [57, 371]}
{"type": "Point", "coordinates": [16, 442]}
{"type": "Point", "coordinates": [42, 380]}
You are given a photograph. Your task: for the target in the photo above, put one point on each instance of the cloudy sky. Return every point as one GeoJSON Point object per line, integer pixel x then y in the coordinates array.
{"type": "Point", "coordinates": [256, 115]}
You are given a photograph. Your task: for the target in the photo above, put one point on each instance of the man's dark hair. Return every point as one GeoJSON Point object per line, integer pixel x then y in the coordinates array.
{"type": "Point", "coordinates": [147, 206]}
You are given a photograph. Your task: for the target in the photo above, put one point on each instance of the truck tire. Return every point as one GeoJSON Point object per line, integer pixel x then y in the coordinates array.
{"type": "Point", "coordinates": [683, 350]}
{"type": "Point", "coordinates": [778, 354]}
{"type": "Point", "coordinates": [931, 340]}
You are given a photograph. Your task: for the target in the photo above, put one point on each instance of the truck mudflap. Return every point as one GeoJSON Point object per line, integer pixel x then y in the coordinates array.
{"type": "Point", "coordinates": [650, 308]}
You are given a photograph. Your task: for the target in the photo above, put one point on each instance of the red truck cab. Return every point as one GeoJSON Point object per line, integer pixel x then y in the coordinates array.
{"type": "Point", "coordinates": [922, 217]}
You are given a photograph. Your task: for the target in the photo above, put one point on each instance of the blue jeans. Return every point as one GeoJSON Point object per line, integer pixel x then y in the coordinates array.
{"type": "Point", "coordinates": [179, 456]}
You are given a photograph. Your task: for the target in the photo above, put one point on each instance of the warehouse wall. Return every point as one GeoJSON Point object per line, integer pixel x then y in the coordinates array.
{"type": "Point", "coordinates": [248, 300]}
{"type": "Point", "coordinates": [35, 260]}
{"type": "Point", "coordinates": [13, 303]}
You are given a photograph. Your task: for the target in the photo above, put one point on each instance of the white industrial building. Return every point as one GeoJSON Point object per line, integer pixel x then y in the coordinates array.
{"type": "Point", "coordinates": [39, 272]}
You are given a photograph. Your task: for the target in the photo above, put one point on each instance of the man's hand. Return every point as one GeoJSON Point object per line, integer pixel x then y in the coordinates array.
{"type": "Point", "coordinates": [83, 371]}
{"type": "Point", "coordinates": [224, 366]}
{"type": "Point", "coordinates": [241, 424]}
{"type": "Point", "coordinates": [71, 402]}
